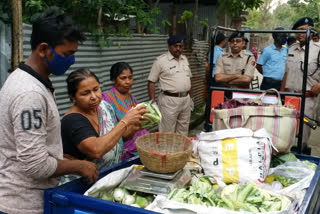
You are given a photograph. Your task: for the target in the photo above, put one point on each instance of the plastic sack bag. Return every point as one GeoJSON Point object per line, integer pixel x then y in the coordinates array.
{"type": "Point", "coordinates": [235, 155]}
{"type": "Point", "coordinates": [110, 181]}
{"type": "Point", "coordinates": [294, 170]}
{"type": "Point", "coordinates": [163, 205]}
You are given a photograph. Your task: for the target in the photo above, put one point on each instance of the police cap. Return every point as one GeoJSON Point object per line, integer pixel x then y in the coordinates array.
{"type": "Point", "coordinates": [235, 35]}
{"type": "Point", "coordinates": [176, 39]}
{"type": "Point", "coordinates": [303, 21]}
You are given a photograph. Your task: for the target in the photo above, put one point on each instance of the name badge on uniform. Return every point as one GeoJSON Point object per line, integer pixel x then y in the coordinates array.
{"type": "Point", "coordinates": [226, 64]}
{"type": "Point", "coordinates": [290, 54]}
{"type": "Point", "coordinates": [172, 67]}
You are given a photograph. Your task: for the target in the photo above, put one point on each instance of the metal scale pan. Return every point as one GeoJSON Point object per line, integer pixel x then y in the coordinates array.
{"type": "Point", "coordinates": [146, 181]}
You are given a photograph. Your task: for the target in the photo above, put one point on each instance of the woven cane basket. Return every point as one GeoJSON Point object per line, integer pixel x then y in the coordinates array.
{"type": "Point", "coordinates": [164, 152]}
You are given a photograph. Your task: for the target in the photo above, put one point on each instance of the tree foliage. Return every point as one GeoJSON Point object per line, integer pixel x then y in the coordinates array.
{"type": "Point", "coordinates": [234, 7]}
{"type": "Point", "coordinates": [284, 15]}
{"type": "Point", "coordinates": [100, 17]}
{"type": "Point", "coordinates": [5, 11]}
{"type": "Point", "coordinates": [309, 8]}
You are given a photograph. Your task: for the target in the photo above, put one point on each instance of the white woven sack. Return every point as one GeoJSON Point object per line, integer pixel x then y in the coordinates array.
{"type": "Point", "coordinates": [236, 155]}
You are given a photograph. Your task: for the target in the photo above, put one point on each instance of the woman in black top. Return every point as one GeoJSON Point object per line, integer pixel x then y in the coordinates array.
{"type": "Point", "coordinates": [90, 129]}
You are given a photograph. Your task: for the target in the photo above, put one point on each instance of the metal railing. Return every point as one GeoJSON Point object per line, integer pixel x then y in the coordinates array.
{"type": "Point", "coordinates": [214, 31]}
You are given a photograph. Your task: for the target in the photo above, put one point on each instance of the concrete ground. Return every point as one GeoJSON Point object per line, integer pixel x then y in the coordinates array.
{"type": "Point", "coordinates": [314, 141]}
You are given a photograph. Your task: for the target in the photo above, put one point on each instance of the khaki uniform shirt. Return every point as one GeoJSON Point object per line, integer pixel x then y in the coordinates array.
{"type": "Point", "coordinates": [295, 65]}
{"type": "Point", "coordinates": [172, 75]}
{"type": "Point", "coordinates": [244, 63]}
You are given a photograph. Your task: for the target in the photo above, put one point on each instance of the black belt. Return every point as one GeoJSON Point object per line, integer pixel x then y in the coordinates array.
{"type": "Point", "coordinates": [270, 80]}
{"type": "Point", "coordinates": [179, 94]}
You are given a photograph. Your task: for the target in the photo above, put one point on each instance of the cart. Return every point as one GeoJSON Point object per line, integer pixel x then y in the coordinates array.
{"type": "Point", "coordinates": [69, 198]}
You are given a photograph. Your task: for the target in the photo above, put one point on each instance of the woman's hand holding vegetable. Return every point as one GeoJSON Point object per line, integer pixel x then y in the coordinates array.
{"type": "Point", "coordinates": [135, 115]}
{"type": "Point", "coordinates": [132, 119]}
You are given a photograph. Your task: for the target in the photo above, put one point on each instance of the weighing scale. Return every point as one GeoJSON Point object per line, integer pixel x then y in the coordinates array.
{"type": "Point", "coordinates": [143, 180]}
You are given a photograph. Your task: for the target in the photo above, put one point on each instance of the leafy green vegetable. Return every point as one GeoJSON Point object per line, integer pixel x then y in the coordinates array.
{"type": "Point", "coordinates": [280, 159]}
{"type": "Point", "coordinates": [285, 181]}
{"type": "Point", "coordinates": [193, 199]}
{"type": "Point", "coordinates": [275, 206]}
{"type": "Point", "coordinates": [238, 197]}
{"type": "Point", "coordinates": [311, 165]}
{"type": "Point", "coordinates": [122, 195]}
{"type": "Point", "coordinates": [179, 195]}
{"type": "Point", "coordinates": [226, 199]}
{"type": "Point", "coordinates": [154, 115]}
{"type": "Point", "coordinates": [141, 201]}
{"type": "Point", "coordinates": [250, 208]}
{"type": "Point", "coordinates": [107, 196]}
{"type": "Point", "coordinates": [244, 193]}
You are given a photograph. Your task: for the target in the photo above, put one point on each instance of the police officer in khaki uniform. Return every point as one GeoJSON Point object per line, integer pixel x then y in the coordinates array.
{"type": "Point", "coordinates": [173, 73]}
{"type": "Point", "coordinates": [293, 77]}
{"type": "Point", "coordinates": [235, 69]}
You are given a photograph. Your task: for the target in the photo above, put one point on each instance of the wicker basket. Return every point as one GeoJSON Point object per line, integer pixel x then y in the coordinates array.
{"type": "Point", "coordinates": [164, 152]}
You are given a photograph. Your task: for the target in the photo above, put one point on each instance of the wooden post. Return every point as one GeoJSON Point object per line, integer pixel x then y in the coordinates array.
{"type": "Point", "coordinates": [17, 35]}
{"type": "Point", "coordinates": [99, 20]}
{"type": "Point", "coordinates": [174, 19]}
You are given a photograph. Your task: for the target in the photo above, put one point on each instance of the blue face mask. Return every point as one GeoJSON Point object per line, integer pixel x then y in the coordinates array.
{"type": "Point", "coordinates": [283, 41]}
{"type": "Point", "coordinates": [59, 64]}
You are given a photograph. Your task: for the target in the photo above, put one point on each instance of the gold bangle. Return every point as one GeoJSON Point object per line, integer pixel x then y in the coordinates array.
{"type": "Point", "coordinates": [125, 123]}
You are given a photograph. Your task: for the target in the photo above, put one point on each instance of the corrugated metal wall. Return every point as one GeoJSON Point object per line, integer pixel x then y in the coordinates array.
{"type": "Point", "coordinates": [139, 51]}
{"type": "Point", "coordinates": [197, 59]}
{"type": "Point", "coordinates": [5, 51]}
{"type": "Point", "coordinates": [204, 11]}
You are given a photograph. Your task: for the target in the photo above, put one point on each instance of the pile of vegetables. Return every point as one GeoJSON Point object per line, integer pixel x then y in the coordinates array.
{"type": "Point", "coordinates": [281, 159]}
{"type": "Point", "coordinates": [201, 192]}
{"type": "Point", "coordinates": [122, 195]}
{"type": "Point", "coordinates": [154, 115]}
{"type": "Point", "coordinates": [237, 197]}
{"type": "Point", "coordinates": [249, 197]}
{"type": "Point", "coordinates": [286, 180]}
{"type": "Point", "coordinates": [311, 165]}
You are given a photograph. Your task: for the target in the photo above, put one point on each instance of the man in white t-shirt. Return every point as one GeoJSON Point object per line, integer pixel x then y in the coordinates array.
{"type": "Point", "coordinates": [31, 157]}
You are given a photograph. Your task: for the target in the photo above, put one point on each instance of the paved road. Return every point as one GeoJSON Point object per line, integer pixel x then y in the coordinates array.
{"type": "Point", "coordinates": [314, 141]}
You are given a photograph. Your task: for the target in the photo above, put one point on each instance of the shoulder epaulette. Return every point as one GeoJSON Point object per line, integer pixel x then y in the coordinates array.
{"type": "Point", "coordinates": [295, 44]}
{"type": "Point", "coordinates": [162, 55]}
{"type": "Point", "coordinates": [248, 54]}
